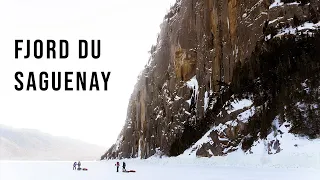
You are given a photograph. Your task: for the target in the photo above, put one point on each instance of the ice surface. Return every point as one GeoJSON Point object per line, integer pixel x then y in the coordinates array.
{"type": "Point", "coordinates": [155, 169]}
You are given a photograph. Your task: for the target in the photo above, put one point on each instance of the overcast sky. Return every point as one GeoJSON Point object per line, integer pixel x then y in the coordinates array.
{"type": "Point", "coordinates": [126, 28]}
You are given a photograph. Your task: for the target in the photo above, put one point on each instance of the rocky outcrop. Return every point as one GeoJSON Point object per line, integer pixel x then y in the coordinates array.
{"type": "Point", "coordinates": [210, 57]}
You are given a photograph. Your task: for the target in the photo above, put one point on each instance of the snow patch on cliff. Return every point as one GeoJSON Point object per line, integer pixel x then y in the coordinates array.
{"type": "Point", "coordinates": [305, 26]}
{"type": "Point", "coordinates": [237, 105]}
{"type": "Point", "coordinates": [276, 3]}
{"type": "Point", "coordinates": [177, 98]}
{"type": "Point", "coordinates": [193, 84]}
{"type": "Point", "coordinates": [295, 151]}
{"type": "Point", "coordinates": [205, 139]}
{"type": "Point", "coordinates": [206, 101]}
{"type": "Point", "coordinates": [246, 115]}
{"type": "Point", "coordinates": [220, 128]}
{"type": "Point", "coordinates": [277, 19]}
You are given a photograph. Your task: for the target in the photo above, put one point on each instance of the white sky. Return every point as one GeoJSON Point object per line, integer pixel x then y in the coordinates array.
{"type": "Point", "coordinates": [126, 28]}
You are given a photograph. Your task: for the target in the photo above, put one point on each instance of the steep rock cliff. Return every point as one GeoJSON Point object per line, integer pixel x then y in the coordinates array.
{"type": "Point", "coordinates": [228, 68]}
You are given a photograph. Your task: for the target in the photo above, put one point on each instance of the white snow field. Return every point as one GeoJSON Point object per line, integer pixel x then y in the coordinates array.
{"type": "Point", "coordinates": [155, 169]}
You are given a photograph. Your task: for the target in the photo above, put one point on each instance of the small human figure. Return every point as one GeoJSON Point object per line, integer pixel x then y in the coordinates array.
{"type": "Point", "coordinates": [124, 167]}
{"type": "Point", "coordinates": [75, 166]}
{"type": "Point", "coordinates": [117, 164]}
{"type": "Point", "coordinates": [79, 165]}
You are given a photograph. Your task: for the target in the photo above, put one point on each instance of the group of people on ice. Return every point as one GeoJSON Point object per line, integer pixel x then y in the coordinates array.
{"type": "Point", "coordinates": [75, 164]}
{"type": "Point", "coordinates": [123, 166]}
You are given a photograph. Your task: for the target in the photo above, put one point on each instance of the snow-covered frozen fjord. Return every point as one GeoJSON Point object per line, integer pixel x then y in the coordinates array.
{"type": "Point", "coordinates": [150, 169]}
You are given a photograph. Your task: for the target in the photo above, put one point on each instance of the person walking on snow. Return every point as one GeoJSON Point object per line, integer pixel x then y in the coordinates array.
{"type": "Point", "coordinates": [79, 165]}
{"type": "Point", "coordinates": [75, 166]}
{"type": "Point", "coordinates": [117, 164]}
{"type": "Point", "coordinates": [124, 167]}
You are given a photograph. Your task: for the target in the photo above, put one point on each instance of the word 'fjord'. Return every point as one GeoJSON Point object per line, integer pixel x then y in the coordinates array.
{"type": "Point", "coordinates": [56, 81]}
{"type": "Point", "coordinates": [52, 47]}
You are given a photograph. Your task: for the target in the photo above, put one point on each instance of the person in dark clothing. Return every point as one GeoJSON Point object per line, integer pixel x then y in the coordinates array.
{"type": "Point", "coordinates": [117, 164]}
{"type": "Point", "coordinates": [75, 166]}
{"type": "Point", "coordinates": [124, 167]}
{"type": "Point", "coordinates": [79, 165]}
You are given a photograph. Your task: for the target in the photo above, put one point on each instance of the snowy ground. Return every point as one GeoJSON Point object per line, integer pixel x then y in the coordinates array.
{"type": "Point", "coordinates": [150, 169]}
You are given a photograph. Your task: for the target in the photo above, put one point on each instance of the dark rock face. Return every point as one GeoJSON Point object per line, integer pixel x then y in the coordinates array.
{"type": "Point", "coordinates": [209, 55]}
